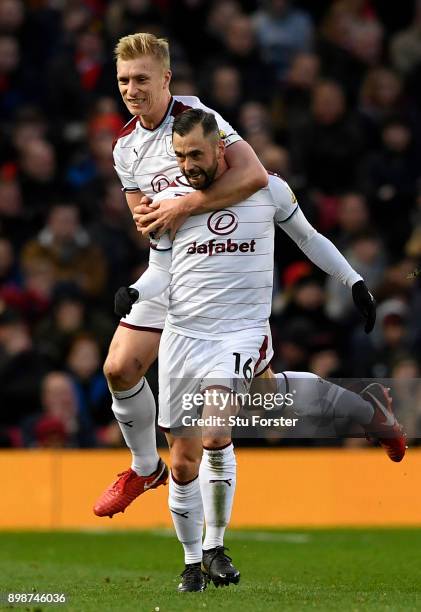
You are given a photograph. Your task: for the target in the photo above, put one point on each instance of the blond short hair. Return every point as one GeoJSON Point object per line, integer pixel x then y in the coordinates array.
{"type": "Point", "coordinates": [142, 43]}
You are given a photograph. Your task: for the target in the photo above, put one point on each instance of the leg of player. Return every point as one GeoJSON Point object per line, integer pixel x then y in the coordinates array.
{"type": "Point", "coordinates": [185, 503]}
{"type": "Point", "coordinates": [131, 353]}
{"type": "Point", "coordinates": [371, 409]}
{"type": "Point", "coordinates": [217, 476]}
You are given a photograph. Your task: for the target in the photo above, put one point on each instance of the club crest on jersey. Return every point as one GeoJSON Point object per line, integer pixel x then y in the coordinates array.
{"type": "Point", "coordinates": [160, 182]}
{"type": "Point", "coordinates": [211, 247]}
{"type": "Point", "coordinates": [222, 222]}
{"type": "Point", "coordinates": [168, 145]}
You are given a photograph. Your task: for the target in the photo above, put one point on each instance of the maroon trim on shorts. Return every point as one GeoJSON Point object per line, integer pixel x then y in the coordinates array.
{"type": "Point", "coordinates": [141, 327]}
{"type": "Point", "coordinates": [218, 448]}
{"type": "Point", "coordinates": [262, 352]}
{"type": "Point", "coordinates": [264, 370]}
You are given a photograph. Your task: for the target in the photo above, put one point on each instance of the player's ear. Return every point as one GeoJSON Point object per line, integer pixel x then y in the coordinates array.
{"type": "Point", "coordinates": [221, 148]}
{"type": "Point", "coordinates": [167, 78]}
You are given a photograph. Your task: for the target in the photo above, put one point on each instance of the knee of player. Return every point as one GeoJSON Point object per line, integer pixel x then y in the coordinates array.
{"type": "Point", "coordinates": [185, 468]}
{"type": "Point", "coordinates": [120, 371]}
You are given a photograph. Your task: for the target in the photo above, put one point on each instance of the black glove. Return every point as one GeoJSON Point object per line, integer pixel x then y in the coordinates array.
{"type": "Point", "coordinates": [365, 303]}
{"type": "Point", "coordinates": [124, 299]}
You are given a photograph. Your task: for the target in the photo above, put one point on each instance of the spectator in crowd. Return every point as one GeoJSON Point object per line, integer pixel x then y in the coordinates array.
{"type": "Point", "coordinates": [14, 222]}
{"type": "Point", "coordinates": [327, 150]}
{"type": "Point", "coordinates": [112, 229]}
{"type": "Point", "coordinates": [389, 176]}
{"type": "Point", "coordinates": [60, 423]}
{"type": "Point", "coordinates": [70, 316]}
{"type": "Point", "coordinates": [126, 16]}
{"type": "Point", "coordinates": [84, 364]}
{"type": "Point", "coordinates": [353, 217]}
{"type": "Point", "coordinates": [380, 100]}
{"type": "Point", "coordinates": [38, 179]}
{"type": "Point", "coordinates": [326, 363]}
{"type": "Point", "coordinates": [328, 95]}
{"type": "Point", "coordinates": [366, 42]}
{"type": "Point", "coordinates": [405, 46]}
{"type": "Point", "coordinates": [12, 16]}
{"type": "Point", "coordinates": [366, 254]}
{"type": "Point", "coordinates": [92, 165]}
{"type": "Point", "coordinates": [78, 76]}
{"type": "Point", "coordinates": [305, 309]}
{"type": "Point", "coordinates": [241, 51]}
{"type": "Point", "coordinates": [276, 160]}
{"type": "Point", "coordinates": [66, 247]}
{"type": "Point", "coordinates": [390, 340]}
{"type": "Point", "coordinates": [226, 92]}
{"type": "Point", "coordinates": [334, 49]}
{"type": "Point", "coordinates": [256, 124]}
{"type": "Point", "coordinates": [296, 93]}
{"type": "Point", "coordinates": [9, 273]}
{"type": "Point", "coordinates": [21, 368]}
{"type": "Point", "coordinates": [282, 31]}
{"type": "Point", "coordinates": [30, 125]}
{"type": "Point", "coordinates": [407, 395]}
{"type": "Point", "coordinates": [12, 87]}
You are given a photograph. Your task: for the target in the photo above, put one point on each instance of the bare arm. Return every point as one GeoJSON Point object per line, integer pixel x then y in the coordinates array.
{"type": "Point", "coordinates": [133, 199]}
{"type": "Point", "coordinates": [137, 201]}
{"type": "Point", "coordinates": [245, 176]}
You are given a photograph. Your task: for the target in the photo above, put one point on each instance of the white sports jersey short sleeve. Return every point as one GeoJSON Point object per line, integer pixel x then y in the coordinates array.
{"type": "Point", "coordinates": [144, 160]}
{"type": "Point", "coordinates": [222, 265]}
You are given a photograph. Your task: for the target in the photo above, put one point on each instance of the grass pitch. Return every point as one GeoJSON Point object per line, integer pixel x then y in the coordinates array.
{"type": "Point", "coordinates": [354, 570]}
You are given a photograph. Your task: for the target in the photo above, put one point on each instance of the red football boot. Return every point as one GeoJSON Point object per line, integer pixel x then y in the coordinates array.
{"type": "Point", "coordinates": [384, 428]}
{"type": "Point", "coordinates": [126, 488]}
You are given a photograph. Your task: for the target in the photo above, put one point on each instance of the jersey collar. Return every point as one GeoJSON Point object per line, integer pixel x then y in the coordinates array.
{"type": "Point", "coordinates": [139, 121]}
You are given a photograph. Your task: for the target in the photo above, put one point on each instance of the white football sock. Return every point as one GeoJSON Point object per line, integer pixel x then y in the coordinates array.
{"type": "Point", "coordinates": [185, 503]}
{"type": "Point", "coordinates": [217, 476]}
{"type": "Point", "coordinates": [135, 412]}
{"type": "Point", "coordinates": [318, 397]}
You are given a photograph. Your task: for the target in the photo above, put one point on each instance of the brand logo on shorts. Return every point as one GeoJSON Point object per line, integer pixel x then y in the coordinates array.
{"type": "Point", "coordinates": [223, 222]}
{"type": "Point", "coordinates": [160, 182]}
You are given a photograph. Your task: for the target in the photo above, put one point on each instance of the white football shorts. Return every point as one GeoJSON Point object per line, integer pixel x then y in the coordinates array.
{"type": "Point", "coordinates": [187, 366]}
{"type": "Point", "coordinates": [148, 314]}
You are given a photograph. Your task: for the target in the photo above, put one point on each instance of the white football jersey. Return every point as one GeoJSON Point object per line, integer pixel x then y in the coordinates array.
{"type": "Point", "coordinates": [222, 263]}
{"type": "Point", "coordinates": [144, 158]}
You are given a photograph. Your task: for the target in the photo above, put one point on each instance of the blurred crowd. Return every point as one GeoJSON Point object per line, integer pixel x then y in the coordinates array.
{"type": "Point", "coordinates": [328, 94]}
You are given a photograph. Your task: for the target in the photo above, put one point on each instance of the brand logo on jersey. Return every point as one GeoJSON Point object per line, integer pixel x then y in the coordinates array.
{"type": "Point", "coordinates": [211, 247]}
{"type": "Point", "coordinates": [160, 182]}
{"type": "Point", "coordinates": [223, 222]}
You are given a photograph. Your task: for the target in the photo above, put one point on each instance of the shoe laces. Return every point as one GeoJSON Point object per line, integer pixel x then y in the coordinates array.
{"type": "Point", "coordinates": [220, 553]}
{"type": "Point", "coordinates": [122, 480]}
{"type": "Point", "coordinates": [190, 572]}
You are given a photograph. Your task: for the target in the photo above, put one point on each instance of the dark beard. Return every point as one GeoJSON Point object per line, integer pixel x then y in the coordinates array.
{"type": "Point", "coordinates": [209, 178]}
